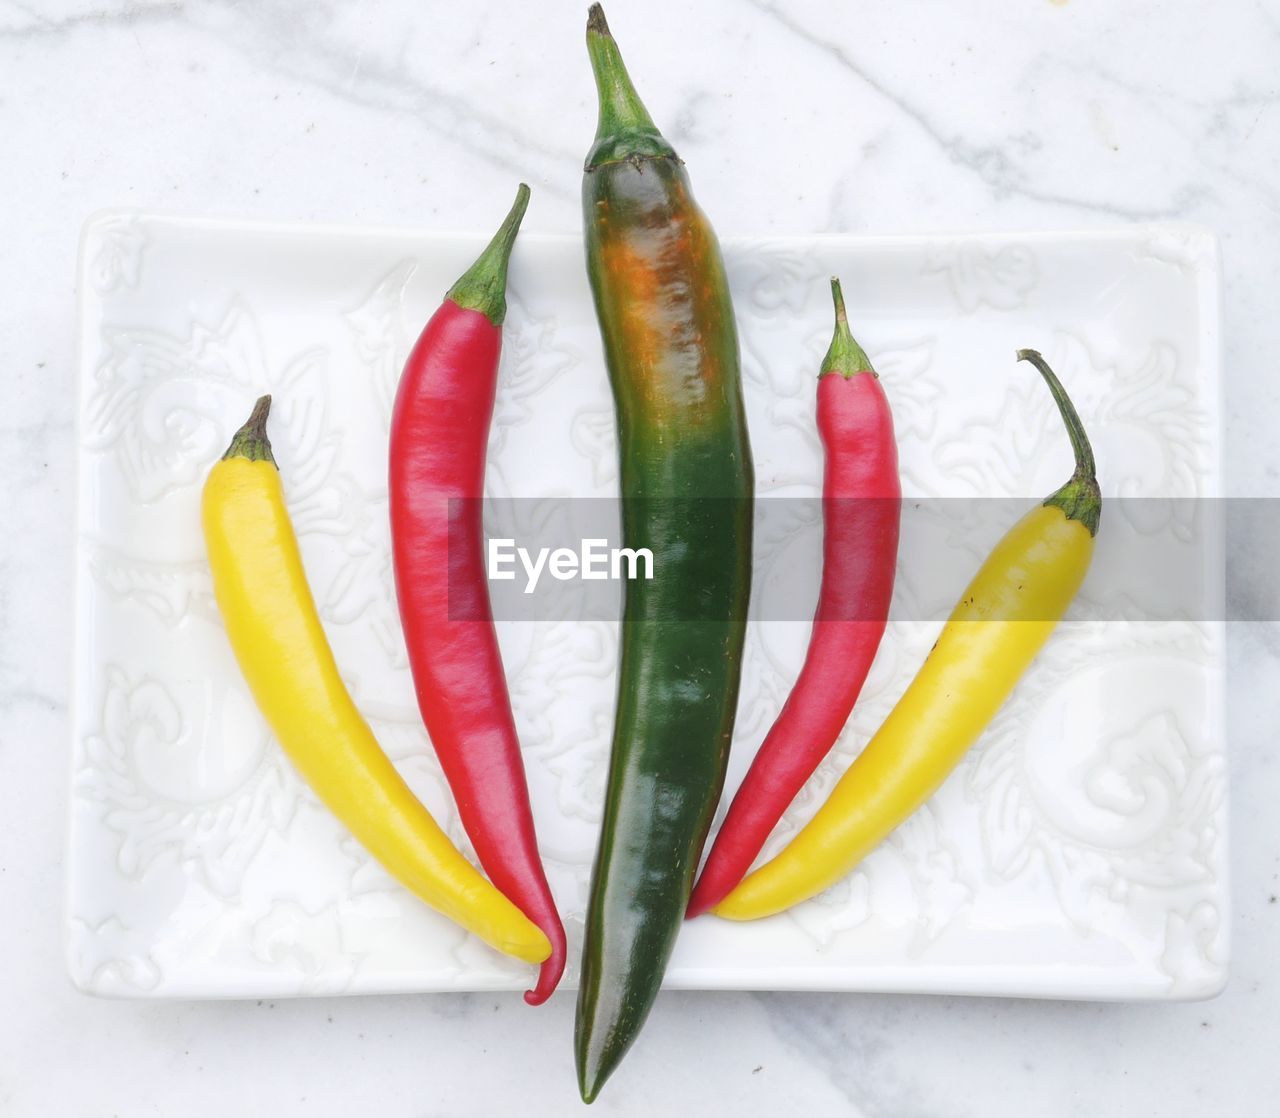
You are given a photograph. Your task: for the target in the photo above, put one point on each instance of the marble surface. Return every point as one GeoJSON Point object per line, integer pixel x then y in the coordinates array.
{"type": "Point", "coordinates": [794, 118]}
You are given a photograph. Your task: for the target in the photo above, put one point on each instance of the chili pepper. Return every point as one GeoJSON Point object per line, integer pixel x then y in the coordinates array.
{"type": "Point", "coordinates": [277, 638]}
{"type": "Point", "coordinates": [1004, 617]}
{"type": "Point", "coordinates": [861, 500]}
{"type": "Point", "coordinates": [686, 480]}
{"type": "Point", "coordinates": [439, 434]}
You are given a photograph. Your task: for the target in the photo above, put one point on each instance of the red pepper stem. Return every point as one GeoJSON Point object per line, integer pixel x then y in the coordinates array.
{"type": "Point", "coordinates": [844, 356]}
{"type": "Point", "coordinates": [1080, 498]}
{"type": "Point", "coordinates": [625, 129]}
{"type": "Point", "coordinates": [483, 286]}
{"type": "Point", "coordinates": [251, 440]}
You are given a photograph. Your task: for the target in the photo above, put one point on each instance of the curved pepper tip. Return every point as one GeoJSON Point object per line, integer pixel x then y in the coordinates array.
{"type": "Point", "coordinates": [549, 975]}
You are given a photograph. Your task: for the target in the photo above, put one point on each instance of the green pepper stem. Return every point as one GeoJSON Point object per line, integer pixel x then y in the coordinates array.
{"type": "Point", "coordinates": [844, 355]}
{"type": "Point", "coordinates": [251, 440]}
{"type": "Point", "coordinates": [625, 129]}
{"type": "Point", "coordinates": [483, 286]}
{"type": "Point", "coordinates": [1080, 498]}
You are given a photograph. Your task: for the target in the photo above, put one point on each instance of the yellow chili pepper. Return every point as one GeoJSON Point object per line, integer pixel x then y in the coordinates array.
{"type": "Point", "coordinates": [277, 638]}
{"type": "Point", "coordinates": [1008, 611]}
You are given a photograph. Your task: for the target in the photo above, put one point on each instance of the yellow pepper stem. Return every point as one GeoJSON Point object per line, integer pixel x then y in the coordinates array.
{"type": "Point", "coordinates": [1080, 498]}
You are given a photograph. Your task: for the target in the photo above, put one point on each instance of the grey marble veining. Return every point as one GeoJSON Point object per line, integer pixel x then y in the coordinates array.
{"type": "Point", "coordinates": [793, 117]}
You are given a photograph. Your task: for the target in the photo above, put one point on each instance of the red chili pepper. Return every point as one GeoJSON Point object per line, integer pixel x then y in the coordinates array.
{"type": "Point", "coordinates": [439, 435]}
{"type": "Point", "coordinates": [861, 500]}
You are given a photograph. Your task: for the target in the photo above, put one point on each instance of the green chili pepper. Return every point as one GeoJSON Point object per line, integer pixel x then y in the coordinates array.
{"type": "Point", "coordinates": [686, 479]}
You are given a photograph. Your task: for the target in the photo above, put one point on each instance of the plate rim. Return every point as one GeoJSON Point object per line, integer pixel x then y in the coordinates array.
{"type": "Point", "coordinates": [1206, 267]}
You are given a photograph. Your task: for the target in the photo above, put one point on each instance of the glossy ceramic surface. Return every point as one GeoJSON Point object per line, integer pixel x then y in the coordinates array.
{"type": "Point", "coordinates": [1079, 851]}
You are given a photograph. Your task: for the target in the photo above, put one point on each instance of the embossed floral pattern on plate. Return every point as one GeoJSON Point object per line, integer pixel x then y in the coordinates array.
{"type": "Point", "coordinates": [1079, 851]}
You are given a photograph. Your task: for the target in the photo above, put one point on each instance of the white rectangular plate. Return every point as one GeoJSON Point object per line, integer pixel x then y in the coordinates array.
{"type": "Point", "coordinates": [1079, 851]}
